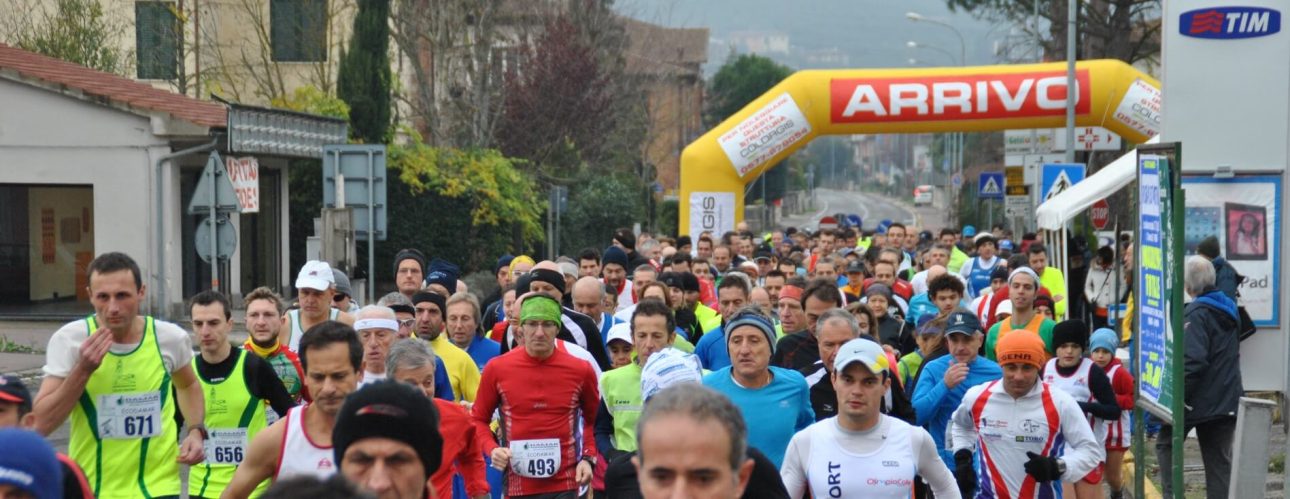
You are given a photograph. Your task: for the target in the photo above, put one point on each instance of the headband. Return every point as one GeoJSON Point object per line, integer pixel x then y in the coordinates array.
{"type": "Point", "coordinates": [364, 324]}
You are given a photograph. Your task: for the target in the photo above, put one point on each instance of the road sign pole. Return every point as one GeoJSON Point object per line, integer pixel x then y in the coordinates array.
{"type": "Point", "coordinates": [214, 237]}
{"type": "Point", "coordinates": [371, 229]}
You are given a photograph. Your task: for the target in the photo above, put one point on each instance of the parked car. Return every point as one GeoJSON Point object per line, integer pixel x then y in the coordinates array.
{"type": "Point", "coordinates": [923, 195]}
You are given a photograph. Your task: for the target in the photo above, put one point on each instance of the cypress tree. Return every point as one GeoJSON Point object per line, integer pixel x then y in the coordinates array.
{"type": "Point", "coordinates": [364, 78]}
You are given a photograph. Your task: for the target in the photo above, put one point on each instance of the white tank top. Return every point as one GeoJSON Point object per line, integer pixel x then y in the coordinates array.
{"type": "Point", "coordinates": [299, 455]}
{"type": "Point", "coordinates": [1118, 431]}
{"type": "Point", "coordinates": [296, 327]}
{"type": "Point", "coordinates": [1076, 385]}
{"type": "Point", "coordinates": [887, 473]}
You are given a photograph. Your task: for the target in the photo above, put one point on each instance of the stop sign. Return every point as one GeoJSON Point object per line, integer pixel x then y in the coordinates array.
{"type": "Point", "coordinates": [1100, 213]}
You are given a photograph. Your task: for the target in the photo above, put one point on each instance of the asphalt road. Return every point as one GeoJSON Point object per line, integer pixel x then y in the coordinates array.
{"type": "Point", "coordinates": [872, 208]}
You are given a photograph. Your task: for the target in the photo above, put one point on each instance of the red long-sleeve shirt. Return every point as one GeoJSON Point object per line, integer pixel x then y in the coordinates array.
{"type": "Point", "coordinates": [539, 399]}
{"type": "Point", "coordinates": [461, 453]}
{"type": "Point", "coordinates": [1122, 385]}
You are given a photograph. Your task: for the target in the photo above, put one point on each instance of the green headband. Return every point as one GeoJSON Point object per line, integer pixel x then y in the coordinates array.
{"type": "Point", "coordinates": [542, 308]}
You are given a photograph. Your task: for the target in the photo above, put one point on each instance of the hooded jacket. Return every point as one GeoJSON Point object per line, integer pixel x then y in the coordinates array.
{"type": "Point", "coordinates": [1213, 359]}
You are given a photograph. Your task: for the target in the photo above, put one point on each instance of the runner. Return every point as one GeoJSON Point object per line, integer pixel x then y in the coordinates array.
{"type": "Point", "coordinates": [1050, 278]}
{"type": "Point", "coordinates": [301, 442]}
{"type": "Point", "coordinates": [1102, 346]}
{"type": "Point", "coordinates": [1084, 381]}
{"type": "Point", "coordinates": [540, 392]}
{"type": "Point", "coordinates": [733, 292]}
{"type": "Point", "coordinates": [652, 329]}
{"type": "Point", "coordinates": [862, 452]}
{"type": "Point", "coordinates": [1023, 286]}
{"type": "Point", "coordinates": [1023, 436]}
{"type": "Point", "coordinates": [377, 328]}
{"type": "Point", "coordinates": [406, 314]}
{"type": "Point", "coordinates": [574, 327]}
{"type": "Point", "coordinates": [383, 443]}
{"type": "Point", "coordinates": [412, 361]}
{"type": "Point", "coordinates": [117, 362]}
{"type": "Point", "coordinates": [463, 329]}
{"type": "Point", "coordinates": [589, 300]}
{"type": "Point", "coordinates": [409, 271]}
{"type": "Point", "coordinates": [835, 328]}
{"type": "Point", "coordinates": [263, 321]}
{"type": "Point", "coordinates": [463, 374]}
{"type": "Point", "coordinates": [15, 412]}
{"type": "Point", "coordinates": [800, 351]}
{"type": "Point", "coordinates": [943, 382]}
{"type": "Point", "coordinates": [237, 385]}
{"type": "Point", "coordinates": [692, 442]}
{"type": "Point", "coordinates": [978, 270]}
{"type": "Point", "coordinates": [613, 270]}
{"type": "Point", "coordinates": [775, 401]}
{"type": "Point", "coordinates": [315, 287]}
{"type": "Point", "coordinates": [28, 467]}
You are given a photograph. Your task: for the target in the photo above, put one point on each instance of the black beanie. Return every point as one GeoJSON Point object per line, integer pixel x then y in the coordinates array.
{"type": "Point", "coordinates": [614, 254]}
{"type": "Point", "coordinates": [690, 282]}
{"type": "Point", "coordinates": [435, 298]}
{"type": "Point", "coordinates": [1070, 331]}
{"type": "Point", "coordinates": [626, 238]}
{"type": "Point", "coordinates": [407, 253]}
{"type": "Point", "coordinates": [552, 277]}
{"type": "Point", "coordinates": [393, 410]}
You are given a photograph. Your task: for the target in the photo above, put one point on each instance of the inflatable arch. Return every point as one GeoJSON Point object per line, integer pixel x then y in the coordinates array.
{"type": "Point", "coordinates": [716, 168]}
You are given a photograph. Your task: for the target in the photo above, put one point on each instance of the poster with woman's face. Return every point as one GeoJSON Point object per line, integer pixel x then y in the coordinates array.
{"type": "Point", "coordinates": [1247, 231]}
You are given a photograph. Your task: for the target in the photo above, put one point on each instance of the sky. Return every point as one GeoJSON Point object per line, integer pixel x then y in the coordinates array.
{"type": "Point", "coordinates": [873, 32]}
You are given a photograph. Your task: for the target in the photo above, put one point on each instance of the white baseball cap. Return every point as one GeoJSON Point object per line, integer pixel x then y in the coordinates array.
{"type": "Point", "coordinates": [621, 331]}
{"type": "Point", "coordinates": [864, 351]}
{"type": "Point", "coordinates": [669, 367]}
{"type": "Point", "coordinates": [316, 274]}
{"type": "Point", "coordinates": [1005, 307]}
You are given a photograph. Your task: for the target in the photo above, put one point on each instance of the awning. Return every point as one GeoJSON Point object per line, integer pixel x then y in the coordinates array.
{"type": "Point", "coordinates": [1055, 212]}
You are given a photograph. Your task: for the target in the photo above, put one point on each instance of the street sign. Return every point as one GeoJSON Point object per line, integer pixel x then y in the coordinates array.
{"type": "Point", "coordinates": [214, 187]}
{"type": "Point", "coordinates": [1100, 214]}
{"type": "Point", "coordinates": [1019, 205]}
{"type": "Point", "coordinates": [1089, 138]}
{"type": "Point", "coordinates": [245, 174]}
{"type": "Point", "coordinates": [957, 180]}
{"type": "Point", "coordinates": [990, 185]}
{"type": "Point", "coordinates": [226, 239]}
{"type": "Point", "coordinates": [362, 170]}
{"type": "Point", "coordinates": [1028, 141]}
{"type": "Point", "coordinates": [1058, 177]}
{"type": "Point", "coordinates": [1015, 175]}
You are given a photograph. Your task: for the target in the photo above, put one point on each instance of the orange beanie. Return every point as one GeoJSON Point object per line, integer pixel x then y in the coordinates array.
{"type": "Point", "coordinates": [1022, 347]}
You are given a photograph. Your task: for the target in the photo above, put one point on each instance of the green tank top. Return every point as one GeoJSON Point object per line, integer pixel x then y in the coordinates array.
{"type": "Point", "coordinates": [123, 428]}
{"type": "Point", "coordinates": [621, 389]}
{"type": "Point", "coordinates": [233, 418]}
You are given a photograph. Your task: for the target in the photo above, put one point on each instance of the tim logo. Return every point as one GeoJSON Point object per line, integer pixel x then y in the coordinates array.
{"type": "Point", "coordinates": [1229, 23]}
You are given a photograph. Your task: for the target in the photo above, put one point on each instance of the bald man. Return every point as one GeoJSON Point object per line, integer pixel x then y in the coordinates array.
{"type": "Point", "coordinates": [589, 299]}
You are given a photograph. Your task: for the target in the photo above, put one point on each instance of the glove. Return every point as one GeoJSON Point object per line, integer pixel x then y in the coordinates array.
{"type": "Point", "coordinates": [1042, 468]}
{"type": "Point", "coordinates": [964, 473]}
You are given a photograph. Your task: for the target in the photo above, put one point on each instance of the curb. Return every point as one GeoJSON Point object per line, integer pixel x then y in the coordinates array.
{"type": "Point", "coordinates": [1148, 489]}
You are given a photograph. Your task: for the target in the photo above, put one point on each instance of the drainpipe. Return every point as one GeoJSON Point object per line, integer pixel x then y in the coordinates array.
{"type": "Point", "coordinates": [161, 228]}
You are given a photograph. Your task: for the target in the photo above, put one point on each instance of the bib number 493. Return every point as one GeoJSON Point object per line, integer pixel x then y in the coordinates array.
{"type": "Point", "coordinates": [541, 467]}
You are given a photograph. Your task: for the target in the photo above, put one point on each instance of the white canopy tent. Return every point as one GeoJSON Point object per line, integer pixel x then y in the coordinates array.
{"type": "Point", "coordinates": [1053, 214]}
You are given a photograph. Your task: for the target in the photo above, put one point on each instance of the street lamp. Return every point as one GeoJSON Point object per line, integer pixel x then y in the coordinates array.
{"type": "Point", "coordinates": [916, 17]}
{"type": "Point", "coordinates": [915, 45]}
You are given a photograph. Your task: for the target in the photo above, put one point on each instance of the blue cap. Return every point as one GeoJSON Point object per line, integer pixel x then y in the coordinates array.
{"type": "Point", "coordinates": [1005, 244]}
{"type": "Point", "coordinates": [969, 231]}
{"type": "Point", "coordinates": [962, 322]}
{"type": "Point", "coordinates": [28, 463]}
{"type": "Point", "coordinates": [1105, 339]}
{"type": "Point", "coordinates": [443, 273]}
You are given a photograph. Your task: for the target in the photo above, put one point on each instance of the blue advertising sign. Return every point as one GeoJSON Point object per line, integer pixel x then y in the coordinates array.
{"type": "Point", "coordinates": [990, 185]}
{"type": "Point", "coordinates": [1229, 23]}
{"type": "Point", "coordinates": [1152, 291]}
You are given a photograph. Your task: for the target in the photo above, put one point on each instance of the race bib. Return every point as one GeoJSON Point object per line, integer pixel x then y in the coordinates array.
{"type": "Point", "coordinates": [128, 416]}
{"type": "Point", "coordinates": [535, 458]}
{"type": "Point", "coordinates": [226, 446]}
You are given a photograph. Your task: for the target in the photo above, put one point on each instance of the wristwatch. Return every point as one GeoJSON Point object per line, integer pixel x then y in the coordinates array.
{"type": "Point", "coordinates": [589, 459]}
{"type": "Point", "coordinates": [200, 429]}
{"type": "Point", "coordinates": [1061, 466]}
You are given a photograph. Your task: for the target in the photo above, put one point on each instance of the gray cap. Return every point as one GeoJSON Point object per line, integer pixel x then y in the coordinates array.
{"type": "Point", "coordinates": [342, 284]}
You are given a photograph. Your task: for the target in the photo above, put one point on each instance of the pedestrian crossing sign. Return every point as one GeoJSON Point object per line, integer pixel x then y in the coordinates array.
{"type": "Point", "coordinates": [990, 185]}
{"type": "Point", "coordinates": [1058, 177]}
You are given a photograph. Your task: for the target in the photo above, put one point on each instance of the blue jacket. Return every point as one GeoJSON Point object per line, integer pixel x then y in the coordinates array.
{"type": "Point", "coordinates": [934, 404]}
{"type": "Point", "coordinates": [1213, 360]}
{"type": "Point", "coordinates": [712, 351]}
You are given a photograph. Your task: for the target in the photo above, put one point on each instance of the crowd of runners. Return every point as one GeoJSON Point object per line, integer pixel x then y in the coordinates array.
{"type": "Point", "coordinates": [849, 363]}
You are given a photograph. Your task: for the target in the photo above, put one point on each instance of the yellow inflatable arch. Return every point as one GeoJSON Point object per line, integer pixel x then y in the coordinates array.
{"type": "Point", "coordinates": [716, 168]}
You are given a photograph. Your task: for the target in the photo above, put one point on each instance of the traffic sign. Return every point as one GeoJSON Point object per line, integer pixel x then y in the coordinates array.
{"type": "Point", "coordinates": [957, 180]}
{"type": "Point", "coordinates": [1015, 175]}
{"type": "Point", "coordinates": [214, 187]}
{"type": "Point", "coordinates": [225, 239]}
{"type": "Point", "coordinates": [990, 185]}
{"type": "Point", "coordinates": [1019, 205]}
{"type": "Point", "coordinates": [361, 171]}
{"type": "Point", "coordinates": [1100, 214]}
{"type": "Point", "coordinates": [1088, 138]}
{"type": "Point", "coordinates": [1058, 177]}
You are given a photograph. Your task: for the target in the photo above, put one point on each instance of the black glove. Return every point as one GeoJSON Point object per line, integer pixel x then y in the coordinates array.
{"type": "Point", "coordinates": [964, 473]}
{"type": "Point", "coordinates": [1043, 468]}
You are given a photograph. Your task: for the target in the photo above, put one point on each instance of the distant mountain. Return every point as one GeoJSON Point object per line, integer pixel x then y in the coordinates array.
{"type": "Point", "coordinates": [827, 33]}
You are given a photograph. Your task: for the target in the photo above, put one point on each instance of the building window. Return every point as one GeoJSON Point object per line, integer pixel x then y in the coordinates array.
{"type": "Point", "coordinates": [156, 39]}
{"type": "Point", "coordinates": [299, 30]}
